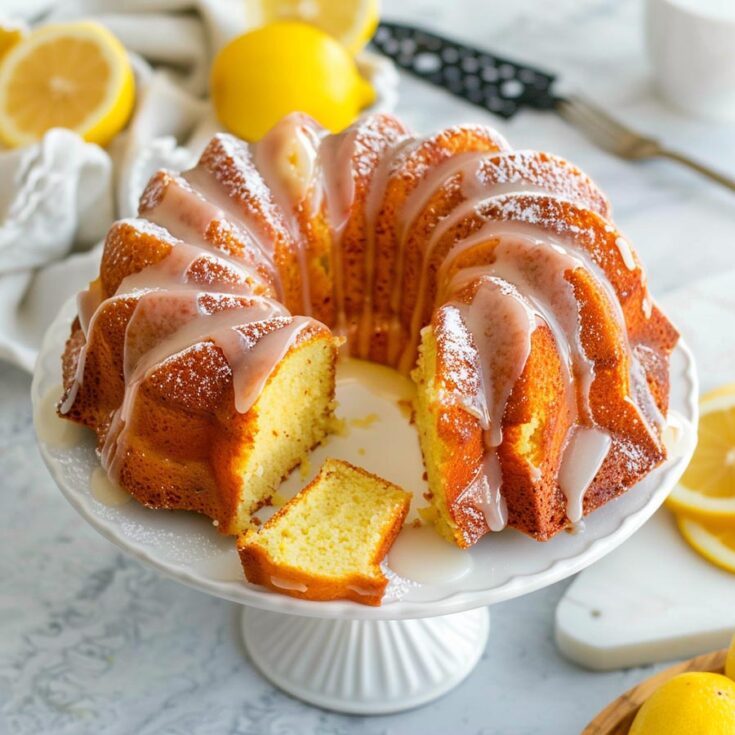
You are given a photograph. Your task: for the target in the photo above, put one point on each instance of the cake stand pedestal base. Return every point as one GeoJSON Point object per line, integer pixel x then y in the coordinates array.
{"type": "Point", "coordinates": [365, 667]}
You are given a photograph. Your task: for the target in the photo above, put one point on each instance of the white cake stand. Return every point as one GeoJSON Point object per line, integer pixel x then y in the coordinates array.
{"type": "Point", "coordinates": [425, 638]}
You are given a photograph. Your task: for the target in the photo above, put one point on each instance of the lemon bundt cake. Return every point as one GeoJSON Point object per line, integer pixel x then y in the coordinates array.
{"type": "Point", "coordinates": [327, 543]}
{"type": "Point", "coordinates": [204, 353]}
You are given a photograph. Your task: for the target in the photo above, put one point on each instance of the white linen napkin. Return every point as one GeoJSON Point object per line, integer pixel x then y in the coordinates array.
{"type": "Point", "coordinates": [58, 197]}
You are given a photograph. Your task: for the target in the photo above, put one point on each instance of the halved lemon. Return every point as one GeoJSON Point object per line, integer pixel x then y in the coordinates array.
{"type": "Point", "coordinates": [69, 75]}
{"type": "Point", "coordinates": [706, 491]}
{"type": "Point", "coordinates": [714, 543]}
{"type": "Point", "coordinates": [10, 35]}
{"type": "Point", "coordinates": [351, 22]}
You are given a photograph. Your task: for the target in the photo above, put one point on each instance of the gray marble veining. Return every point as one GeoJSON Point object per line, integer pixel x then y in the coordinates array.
{"type": "Point", "coordinates": [92, 642]}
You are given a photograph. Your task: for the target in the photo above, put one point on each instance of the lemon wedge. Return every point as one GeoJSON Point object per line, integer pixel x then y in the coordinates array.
{"type": "Point", "coordinates": [351, 22]}
{"type": "Point", "coordinates": [285, 67]}
{"type": "Point", "coordinates": [706, 491]}
{"type": "Point", "coordinates": [69, 75]}
{"type": "Point", "coordinates": [697, 703]}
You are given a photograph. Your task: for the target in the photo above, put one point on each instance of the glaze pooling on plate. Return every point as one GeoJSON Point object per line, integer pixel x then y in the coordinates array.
{"type": "Point", "coordinates": [422, 556]}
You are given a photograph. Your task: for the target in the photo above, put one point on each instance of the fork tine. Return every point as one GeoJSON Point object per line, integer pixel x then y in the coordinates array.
{"type": "Point", "coordinates": [579, 118]}
{"type": "Point", "coordinates": [602, 118]}
{"type": "Point", "coordinates": [620, 140]}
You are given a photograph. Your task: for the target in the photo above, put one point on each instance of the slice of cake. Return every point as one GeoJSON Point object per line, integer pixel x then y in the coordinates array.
{"type": "Point", "coordinates": [328, 541]}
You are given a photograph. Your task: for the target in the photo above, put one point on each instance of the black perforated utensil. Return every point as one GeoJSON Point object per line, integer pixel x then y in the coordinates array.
{"type": "Point", "coordinates": [497, 84]}
{"type": "Point", "coordinates": [504, 87]}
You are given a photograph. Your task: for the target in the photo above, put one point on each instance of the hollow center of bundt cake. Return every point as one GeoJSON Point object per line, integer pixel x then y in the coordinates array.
{"type": "Point", "coordinates": [377, 234]}
{"type": "Point", "coordinates": [373, 430]}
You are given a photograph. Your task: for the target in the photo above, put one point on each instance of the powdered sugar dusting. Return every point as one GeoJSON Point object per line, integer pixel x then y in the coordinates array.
{"type": "Point", "coordinates": [398, 587]}
{"type": "Point", "coordinates": [459, 368]}
{"type": "Point", "coordinates": [139, 226]}
{"type": "Point", "coordinates": [230, 230]}
{"type": "Point", "coordinates": [543, 173]}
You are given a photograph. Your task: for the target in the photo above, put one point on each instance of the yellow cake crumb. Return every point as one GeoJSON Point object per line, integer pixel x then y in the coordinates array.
{"type": "Point", "coordinates": [365, 422]}
{"type": "Point", "coordinates": [328, 541]}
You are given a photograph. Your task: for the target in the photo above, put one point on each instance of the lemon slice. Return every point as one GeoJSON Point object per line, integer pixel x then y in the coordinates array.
{"type": "Point", "coordinates": [714, 543]}
{"type": "Point", "coordinates": [69, 75]}
{"type": "Point", "coordinates": [351, 22]}
{"type": "Point", "coordinates": [707, 489]}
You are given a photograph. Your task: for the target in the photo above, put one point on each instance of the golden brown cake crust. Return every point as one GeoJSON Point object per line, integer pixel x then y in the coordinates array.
{"type": "Point", "coordinates": [383, 224]}
{"type": "Point", "coordinates": [186, 434]}
{"type": "Point", "coordinates": [536, 505]}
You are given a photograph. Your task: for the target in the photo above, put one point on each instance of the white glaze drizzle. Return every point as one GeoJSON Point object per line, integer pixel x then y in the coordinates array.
{"type": "Point", "coordinates": [524, 286]}
{"type": "Point", "coordinates": [227, 177]}
{"type": "Point", "coordinates": [339, 192]}
{"type": "Point", "coordinates": [287, 584]}
{"type": "Point", "coordinates": [175, 269]}
{"type": "Point", "coordinates": [537, 269]}
{"type": "Point", "coordinates": [178, 213]}
{"type": "Point", "coordinates": [389, 162]}
{"type": "Point", "coordinates": [175, 321]}
{"type": "Point", "coordinates": [177, 208]}
{"type": "Point", "coordinates": [485, 492]}
{"type": "Point", "coordinates": [424, 176]}
{"type": "Point", "coordinates": [335, 170]}
{"type": "Point", "coordinates": [484, 174]}
{"type": "Point", "coordinates": [626, 253]}
{"type": "Point", "coordinates": [286, 159]}
{"type": "Point", "coordinates": [172, 272]}
{"type": "Point", "coordinates": [584, 454]}
{"type": "Point", "coordinates": [88, 302]}
{"type": "Point", "coordinates": [173, 315]}
{"type": "Point", "coordinates": [209, 187]}
{"type": "Point", "coordinates": [421, 555]}
{"type": "Point", "coordinates": [50, 429]}
{"type": "Point", "coordinates": [500, 321]}
{"type": "Point", "coordinates": [485, 178]}
{"type": "Point", "coordinates": [530, 224]}
{"type": "Point", "coordinates": [105, 491]}
{"type": "Point", "coordinates": [298, 165]}
{"type": "Point", "coordinates": [364, 147]}
{"type": "Point", "coordinates": [338, 162]}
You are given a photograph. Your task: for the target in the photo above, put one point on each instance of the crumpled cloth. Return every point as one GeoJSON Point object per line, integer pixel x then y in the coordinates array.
{"type": "Point", "coordinates": [59, 196]}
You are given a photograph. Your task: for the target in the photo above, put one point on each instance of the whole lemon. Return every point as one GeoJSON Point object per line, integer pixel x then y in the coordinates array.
{"type": "Point", "coordinates": [281, 68]}
{"type": "Point", "coordinates": [689, 704]}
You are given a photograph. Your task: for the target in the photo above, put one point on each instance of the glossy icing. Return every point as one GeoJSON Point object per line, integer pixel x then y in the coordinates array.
{"type": "Point", "coordinates": [403, 217]}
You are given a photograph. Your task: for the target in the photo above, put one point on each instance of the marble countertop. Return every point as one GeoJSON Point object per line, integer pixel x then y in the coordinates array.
{"type": "Point", "coordinates": [91, 641]}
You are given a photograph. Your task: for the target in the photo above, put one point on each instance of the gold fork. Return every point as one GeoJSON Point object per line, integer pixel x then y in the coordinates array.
{"type": "Point", "coordinates": [620, 140]}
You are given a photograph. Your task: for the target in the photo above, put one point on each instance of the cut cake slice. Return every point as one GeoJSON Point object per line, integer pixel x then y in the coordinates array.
{"type": "Point", "coordinates": [328, 542]}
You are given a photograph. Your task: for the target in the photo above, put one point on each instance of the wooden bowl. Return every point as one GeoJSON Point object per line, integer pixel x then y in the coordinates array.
{"type": "Point", "coordinates": [618, 716]}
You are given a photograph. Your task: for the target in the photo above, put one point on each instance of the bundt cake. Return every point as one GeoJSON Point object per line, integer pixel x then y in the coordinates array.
{"type": "Point", "coordinates": [327, 543]}
{"type": "Point", "coordinates": [204, 354]}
